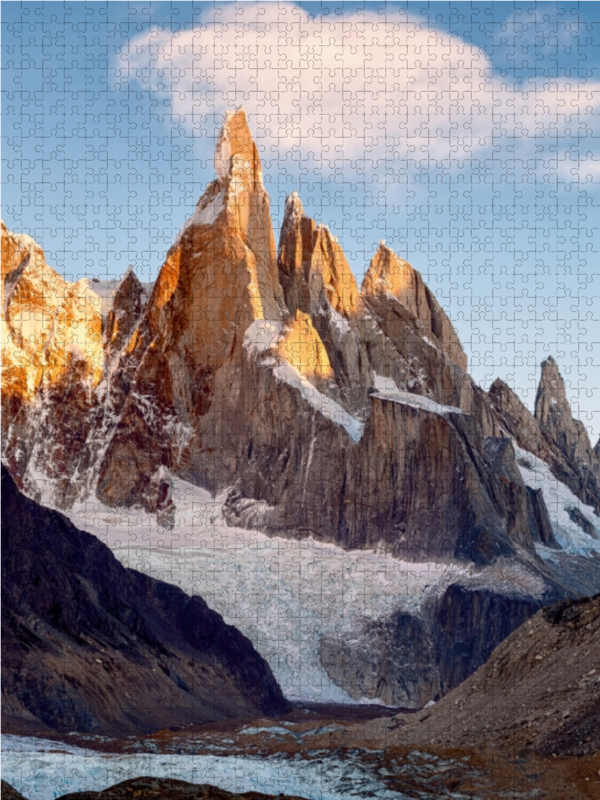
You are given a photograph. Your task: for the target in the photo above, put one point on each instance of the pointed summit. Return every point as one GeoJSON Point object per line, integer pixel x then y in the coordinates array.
{"type": "Point", "coordinates": [553, 414]}
{"type": "Point", "coordinates": [293, 206]}
{"type": "Point", "coordinates": [231, 225]}
{"type": "Point", "coordinates": [551, 400]}
{"type": "Point", "coordinates": [313, 270]}
{"type": "Point", "coordinates": [389, 274]}
{"type": "Point", "coordinates": [236, 204]}
{"type": "Point", "coordinates": [126, 310]}
{"type": "Point", "coordinates": [236, 150]}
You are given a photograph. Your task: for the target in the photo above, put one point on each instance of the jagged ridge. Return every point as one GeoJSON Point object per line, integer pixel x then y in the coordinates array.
{"type": "Point", "coordinates": [266, 375]}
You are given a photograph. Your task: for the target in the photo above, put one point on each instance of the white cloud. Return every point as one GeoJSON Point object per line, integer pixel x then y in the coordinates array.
{"type": "Point", "coordinates": [353, 86]}
{"type": "Point", "coordinates": [579, 170]}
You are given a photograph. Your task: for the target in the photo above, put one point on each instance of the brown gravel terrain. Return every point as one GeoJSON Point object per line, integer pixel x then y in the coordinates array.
{"type": "Point", "coordinates": [525, 725]}
{"type": "Point", "coordinates": [539, 692]}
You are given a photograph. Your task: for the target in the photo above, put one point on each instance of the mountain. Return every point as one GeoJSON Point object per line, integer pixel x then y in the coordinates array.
{"type": "Point", "coordinates": [551, 433]}
{"type": "Point", "coordinates": [310, 407]}
{"type": "Point", "coordinates": [89, 645]}
{"type": "Point", "coordinates": [539, 691]}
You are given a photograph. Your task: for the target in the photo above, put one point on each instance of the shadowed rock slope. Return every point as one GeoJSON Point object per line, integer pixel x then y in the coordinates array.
{"type": "Point", "coordinates": [154, 789]}
{"type": "Point", "coordinates": [551, 433]}
{"type": "Point", "coordinates": [89, 645]}
{"type": "Point", "coordinates": [539, 690]}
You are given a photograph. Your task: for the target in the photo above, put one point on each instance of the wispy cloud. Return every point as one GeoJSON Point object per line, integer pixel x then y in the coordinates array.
{"type": "Point", "coordinates": [355, 86]}
{"type": "Point", "coordinates": [584, 170]}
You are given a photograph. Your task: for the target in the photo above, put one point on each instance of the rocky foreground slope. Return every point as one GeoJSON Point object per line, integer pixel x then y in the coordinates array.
{"type": "Point", "coordinates": [154, 789]}
{"type": "Point", "coordinates": [88, 645]}
{"type": "Point", "coordinates": [539, 691]}
{"type": "Point", "coordinates": [312, 408]}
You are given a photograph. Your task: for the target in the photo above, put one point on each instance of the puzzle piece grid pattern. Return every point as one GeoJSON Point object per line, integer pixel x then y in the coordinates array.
{"type": "Point", "coordinates": [463, 135]}
{"type": "Point", "coordinates": [510, 251]}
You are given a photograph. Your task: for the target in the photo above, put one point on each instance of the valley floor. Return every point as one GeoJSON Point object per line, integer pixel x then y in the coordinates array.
{"type": "Point", "coordinates": [317, 754]}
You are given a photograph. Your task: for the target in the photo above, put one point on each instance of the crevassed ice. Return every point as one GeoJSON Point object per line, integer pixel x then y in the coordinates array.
{"type": "Point", "coordinates": [284, 594]}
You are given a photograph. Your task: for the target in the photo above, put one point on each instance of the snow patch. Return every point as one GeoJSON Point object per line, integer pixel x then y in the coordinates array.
{"type": "Point", "coordinates": [261, 336]}
{"type": "Point", "coordinates": [222, 158]}
{"type": "Point", "coordinates": [205, 213]}
{"type": "Point", "coordinates": [260, 339]}
{"type": "Point", "coordinates": [325, 405]}
{"type": "Point", "coordinates": [341, 323]}
{"type": "Point", "coordinates": [386, 389]}
{"type": "Point", "coordinates": [26, 242]}
{"type": "Point", "coordinates": [558, 497]}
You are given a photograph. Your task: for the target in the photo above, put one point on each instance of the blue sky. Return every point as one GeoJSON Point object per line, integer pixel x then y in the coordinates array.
{"type": "Point", "coordinates": [465, 135]}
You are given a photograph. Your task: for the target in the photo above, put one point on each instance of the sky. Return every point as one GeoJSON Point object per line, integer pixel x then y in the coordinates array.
{"type": "Point", "coordinates": [466, 135]}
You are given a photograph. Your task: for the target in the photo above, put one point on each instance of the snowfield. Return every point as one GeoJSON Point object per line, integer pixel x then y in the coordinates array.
{"type": "Point", "coordinates": [558, 497]}
{"type": "Point", "coordinates": [284, 594]}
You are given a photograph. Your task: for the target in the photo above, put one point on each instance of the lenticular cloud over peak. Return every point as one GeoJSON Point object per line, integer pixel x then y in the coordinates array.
{"type": "Point", "coordinates": [314, 83]}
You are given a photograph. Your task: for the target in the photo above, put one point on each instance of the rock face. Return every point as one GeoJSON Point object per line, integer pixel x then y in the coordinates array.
{"type": "Point", "coordinates": [125, 312]}
{"type": "Point", "coordinates": [390, 275]}
{"type": "Point", "coordinates": [52, 363]}
{"type": "Point", "coordinates": [317, 281]}
{"type": "Point", "coordinates": [551, 434]}
{"type": "Point", "coordinates": [410, 658]}
{"type": "Point", "coordinates": [318, 407]}
{"type": "Point", "coordinates": [8, 793]}
{"type": "Point", "coordinates": [220, 276]}
{"type": "Point", "coordinates": [553, 414]}
{"type": "Point", "coordinates": [88, 645]}
{"type": "Point", "coordinates": [539, 690]}
{"type": "Point", "coordinates": [311, 407]}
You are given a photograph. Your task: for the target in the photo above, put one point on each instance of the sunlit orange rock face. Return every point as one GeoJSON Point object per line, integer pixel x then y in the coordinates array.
{"type": "Point", "coordinates": [312, 266]}
{"type": "Point", "coordinates": [221, 274]}
{"type": "Point", "coordinates": [49, 326]}
{"type": "Point", "coordinates": [52, 363]}
{"type": "Point", "coordinates": [219, 277]}
{"type": "Point", "coordinates": [389, 274]}
{"type": "Point", "coordinates": [317, 281]}
{"type": "Point", "coordinates": [264, 374]}
{"type": "Point", "coordinates": [301, 346]}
